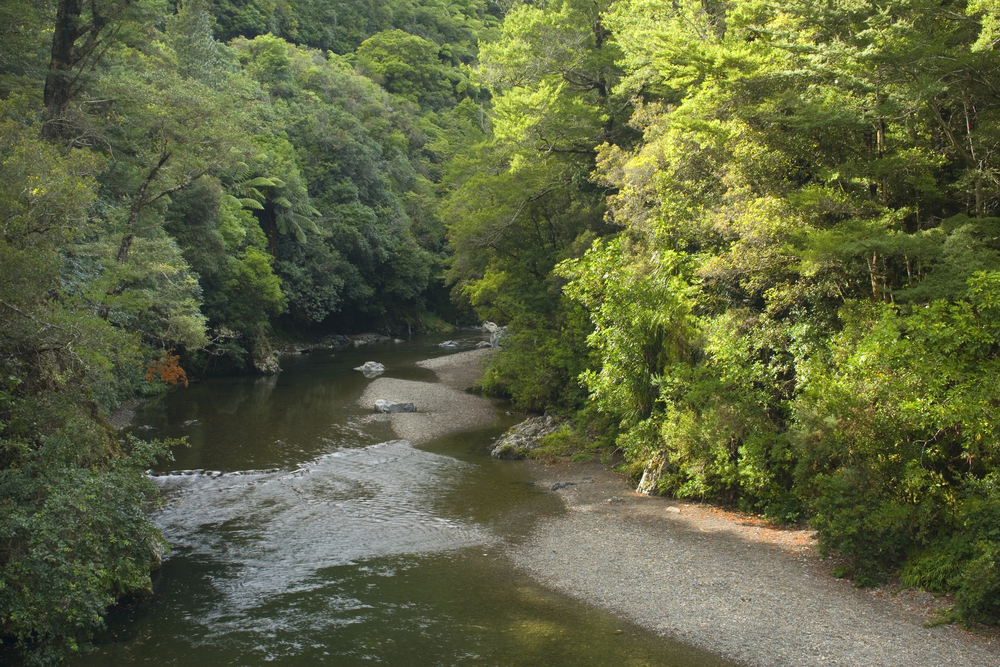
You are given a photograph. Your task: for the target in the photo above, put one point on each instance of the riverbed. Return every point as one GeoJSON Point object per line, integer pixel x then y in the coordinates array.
{"type": "Point", "coordinates": [306, 531]}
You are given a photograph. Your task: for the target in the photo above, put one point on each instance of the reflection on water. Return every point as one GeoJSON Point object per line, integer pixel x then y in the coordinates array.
{"type": "Point", "coordinates": [303, 540]}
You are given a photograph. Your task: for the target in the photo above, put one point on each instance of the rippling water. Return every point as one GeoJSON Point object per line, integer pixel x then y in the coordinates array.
{"type": "Point", "coordinates": [303, 535]}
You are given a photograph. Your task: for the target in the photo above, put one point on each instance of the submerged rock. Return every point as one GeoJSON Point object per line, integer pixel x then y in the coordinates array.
{"type": "Point", "coordinates": [520, 440]}
{"type": "Point", "coordinates": [448, 343]}
{"type": "Point", "coordinates": [383, 405]}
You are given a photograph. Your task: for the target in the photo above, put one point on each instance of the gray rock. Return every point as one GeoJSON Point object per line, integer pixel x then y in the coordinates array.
{"type": "Point", "coordinates": [371, 369]}
{"type": "Point", "coordinates": [368, 338]}
{"type": "Point", "coordinates": [498, 337]}
{"type": "Point", "coordinates": [267, 364]}
{"type": "Point", "coordinates": [483, 343]}
{"type": "Point", "coordinates": [520, 440]}
{"type": "Point", "coordinates": [649, 484]}
{"type": "Point", "coordinates": [383, 405]}
{"type": "Point", "coordinates": [448, 343]}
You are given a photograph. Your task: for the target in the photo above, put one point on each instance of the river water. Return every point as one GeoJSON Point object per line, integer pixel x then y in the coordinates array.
{"type": "Point", "coordinates": [303, 534]}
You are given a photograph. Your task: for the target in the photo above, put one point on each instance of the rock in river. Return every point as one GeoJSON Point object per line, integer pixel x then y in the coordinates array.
{"type": "Point", "coordinates": [383, 405]}
{"type": "Point", "coordinates": [371, 369]}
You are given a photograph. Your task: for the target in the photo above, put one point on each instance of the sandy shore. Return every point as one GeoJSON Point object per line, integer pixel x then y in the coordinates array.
{"type": "Point", "coordinates": [728, 583]}
{"type": "Point", "coordinates": [443, 407]}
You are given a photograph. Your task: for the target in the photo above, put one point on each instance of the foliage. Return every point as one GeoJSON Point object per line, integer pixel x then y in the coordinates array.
{"type": "Point", "coordinates": [408, 66]}
{"type": "Point", "coordinates": [793, 311]}
{"type": "Point", "coordinates": [73, 532]}
{"type": "Point", "coordinates": [754, 245]}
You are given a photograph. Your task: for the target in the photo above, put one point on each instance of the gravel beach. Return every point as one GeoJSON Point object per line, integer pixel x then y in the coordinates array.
{"type": "Point", "coordinates": [443, 407]}
{"type": "Point", "coordinates": [726, 582]}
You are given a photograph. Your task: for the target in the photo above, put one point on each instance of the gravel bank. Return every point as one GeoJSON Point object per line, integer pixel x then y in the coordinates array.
{"type": "Point", "coordinates": [443, 407]}
{"type": "Point", "coordinates": [726, 582]}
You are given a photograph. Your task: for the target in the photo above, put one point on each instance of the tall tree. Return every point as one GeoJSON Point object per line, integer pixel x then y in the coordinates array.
{"type": "Point", "coordinates": [82, 32]}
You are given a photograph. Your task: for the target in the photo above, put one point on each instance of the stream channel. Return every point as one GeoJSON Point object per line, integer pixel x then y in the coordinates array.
{"type": "Point", "coordinates": [302, 534]}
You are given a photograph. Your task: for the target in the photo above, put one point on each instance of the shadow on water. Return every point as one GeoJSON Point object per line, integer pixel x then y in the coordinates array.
{"type": "Point", "coordinates": [310, 540]}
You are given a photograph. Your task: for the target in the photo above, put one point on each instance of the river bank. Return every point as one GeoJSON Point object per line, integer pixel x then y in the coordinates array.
{"type": "Point", "coordinates": [727, 583]}
{"type": "Point", "coordinates": [724, 582]}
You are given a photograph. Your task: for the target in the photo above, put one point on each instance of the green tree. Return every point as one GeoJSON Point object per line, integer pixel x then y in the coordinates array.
{"type": "Point", "coordinates": [73, 532]}
{"type": "Point", "coordinates": [408, 66]}
{"type": "Point", "coordinates": [523, 200]}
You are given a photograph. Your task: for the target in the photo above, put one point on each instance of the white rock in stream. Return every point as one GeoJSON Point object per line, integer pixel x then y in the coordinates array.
{"type": "Point", "coordinates": [371, 369]}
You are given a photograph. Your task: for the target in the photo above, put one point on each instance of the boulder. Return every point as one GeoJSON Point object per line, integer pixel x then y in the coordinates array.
{"type": "Point", "coordinates": [498, 337]}
{"type": "Point", "coordinates": [520, 440]}
{"type": "Point", "coordinates": [382, 405]}
{"type": "Point", "coordinates": [371, 369]}
{"type": "Point", "coordinates": [649, 484]}
{"type": "Point", "coordinates": [266, 364]}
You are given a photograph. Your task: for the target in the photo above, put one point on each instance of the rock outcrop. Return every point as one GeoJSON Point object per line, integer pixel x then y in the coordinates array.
{"type": "Point", "coordinates": [520, 440]}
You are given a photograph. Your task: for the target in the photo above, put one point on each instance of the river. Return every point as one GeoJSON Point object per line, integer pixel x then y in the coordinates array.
{"type": "Point", "coordinates": [302, 533]}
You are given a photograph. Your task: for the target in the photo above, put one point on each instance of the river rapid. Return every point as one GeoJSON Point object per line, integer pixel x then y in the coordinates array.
{"type": "Point", "coordinates": [303, 532]}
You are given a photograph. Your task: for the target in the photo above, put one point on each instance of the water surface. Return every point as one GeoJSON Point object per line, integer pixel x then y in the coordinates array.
{"type": "Point", "coordinates": [303, 534]}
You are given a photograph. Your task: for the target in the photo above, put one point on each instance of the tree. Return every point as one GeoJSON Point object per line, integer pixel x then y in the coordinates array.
{"type": "Point", "coordinates": [408, 66]}
{"type": "Point", "coordinates": [73, 533]}
{"type": "Point", "coordinates": [82, 34]}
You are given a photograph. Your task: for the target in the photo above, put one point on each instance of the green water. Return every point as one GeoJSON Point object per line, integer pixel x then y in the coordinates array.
{"type": "Point", "coordinates": [303, 535]}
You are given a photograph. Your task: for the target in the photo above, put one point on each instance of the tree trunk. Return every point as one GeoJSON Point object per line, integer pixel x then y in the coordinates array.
{"type": "Point", "coordinates": [59, 80]}
{"type": "Point", "coordinates": [68, 59]}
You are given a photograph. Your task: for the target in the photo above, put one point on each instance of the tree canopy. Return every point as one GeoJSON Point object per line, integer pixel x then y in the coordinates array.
{"type": "Point", "coordinates": [752, 248]}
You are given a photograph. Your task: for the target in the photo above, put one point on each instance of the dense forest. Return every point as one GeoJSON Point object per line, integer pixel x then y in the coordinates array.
{"type": "Point", "coordinates": [751, 248]}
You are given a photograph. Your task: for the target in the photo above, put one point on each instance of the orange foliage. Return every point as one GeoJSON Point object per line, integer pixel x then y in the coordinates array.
{"type": "Point", "coordinates": [166, 368]}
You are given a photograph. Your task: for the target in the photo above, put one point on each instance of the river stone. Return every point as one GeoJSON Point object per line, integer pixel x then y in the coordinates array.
{"type": "Point", "coordinates": [383, 405]}
{"type": "Point", "coordinates": [448, 343]}
{"type": "Point", "coordinates": [371, 369]}
{"type": "Point", "coordinates": [523, 438]}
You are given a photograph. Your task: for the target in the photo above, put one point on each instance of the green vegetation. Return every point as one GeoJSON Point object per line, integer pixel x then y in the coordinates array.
{"type": "Point", "coordinates": [752, 247]}
{"type": "Point", "coordinates": [773, 226]}
{"type": "Point", "coordinates": [172, 202]}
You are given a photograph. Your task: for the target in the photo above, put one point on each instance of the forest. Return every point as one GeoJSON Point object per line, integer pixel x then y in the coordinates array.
{"type": "Point", "coordinates": [751, 249]}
